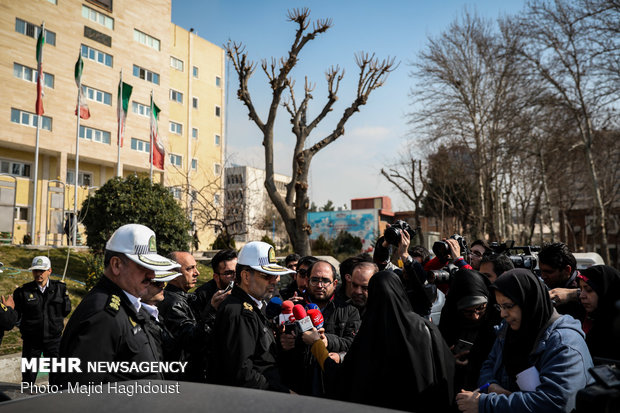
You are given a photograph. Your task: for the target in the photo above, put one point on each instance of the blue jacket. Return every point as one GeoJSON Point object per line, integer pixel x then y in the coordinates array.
{"type": "Point", "coordinates": [563, 361]}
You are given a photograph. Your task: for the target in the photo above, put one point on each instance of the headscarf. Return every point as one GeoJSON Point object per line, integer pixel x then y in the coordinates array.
{"type": "Point", "coordinates": [398, 359]}
{"type": "Point", "coordinates": [605, 281]}
{"type": "Point", "coordinates": [531, 295]}
{"type": "Point", "coordinates": [467, 286]}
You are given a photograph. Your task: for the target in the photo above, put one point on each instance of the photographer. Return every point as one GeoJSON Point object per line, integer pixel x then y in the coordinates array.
{"type": "Point", "coordinates": [558, 269]}
{"type": "Point", "coordinates": [421, 293]}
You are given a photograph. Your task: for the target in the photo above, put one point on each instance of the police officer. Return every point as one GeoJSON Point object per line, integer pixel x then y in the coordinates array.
{"type": "Point", "coordinates": [8, 315]}
{"type": "Point", "coordinates": [42, 306]}
{"type": "Point", "coordinates": [109, 324]}
{"type": "Point", "coordinates": [245, 346]}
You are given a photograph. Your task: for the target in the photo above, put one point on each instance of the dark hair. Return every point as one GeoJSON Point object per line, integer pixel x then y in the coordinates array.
{"type": "Point", "coordinates": [501, 262]}
{"type": "Point", "coordinates": [290, 258]}
{"type": "Point", "coordinates": [222, 256]}
{"type": "Point", "coordinates": [557, 256]}
{"type": "Point", "coordinates": [335, 275]}
{"type": "Point", "coordinates": [110, 254]}
{"type": "Point", "coordinates": [420, 251]}
{"type": "Point", "coordinates": [308, 260]}
{"type": "Point", "coordinates": [482, 242]}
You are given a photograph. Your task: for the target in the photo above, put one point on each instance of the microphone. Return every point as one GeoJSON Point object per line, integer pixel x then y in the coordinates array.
{"type": "Point", "coordinates": [302, 320]}
{"type": "Point", "coordinates": [312, 306]}
{"type": "Point", "coordinates": [316, 317]}
{"type": "Point", "coordinates": [286, 315]}
{"type": "Point", "coordinates": [274, 308]}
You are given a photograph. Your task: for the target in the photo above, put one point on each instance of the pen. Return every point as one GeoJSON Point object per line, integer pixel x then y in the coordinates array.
{"type": "Point", "coordinates": [482, 388]}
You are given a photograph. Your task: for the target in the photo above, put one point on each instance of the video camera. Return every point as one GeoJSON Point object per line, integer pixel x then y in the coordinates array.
{"type": "Point", "coordinates": [521, 256]}
{"type": "Point", "coordinates": [442, 249]}
{"type": "Point", "coordinates": [602, 396]}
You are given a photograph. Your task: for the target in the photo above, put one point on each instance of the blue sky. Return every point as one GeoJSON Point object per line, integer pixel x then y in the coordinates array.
{"type": "Point", "coordinates": [350, 167]}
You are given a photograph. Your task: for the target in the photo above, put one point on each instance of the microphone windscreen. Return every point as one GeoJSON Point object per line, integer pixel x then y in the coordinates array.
{"type": "Point", "coordinates": [316, 317]}
{"type": "Point", "coordinates": [287, 307]}
{"type": "Point", "coordinates": [299, 312]}
{"type": "Point", "coordinates": [274, 307]}
{"type": "Point", "coordinates": [312, 306]}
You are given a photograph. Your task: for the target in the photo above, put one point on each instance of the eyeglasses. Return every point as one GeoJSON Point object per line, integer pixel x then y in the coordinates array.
{"type": "Point", "coordinates": [302, 273]}
{"type": "Point", "coordinates": [507, 306]}
{"type": "Point", "coordinates": [316, 281]}
{"type": "Point", "coordinates": [478, 310]}
{"type": "Point", "coordinates": [228, 273]}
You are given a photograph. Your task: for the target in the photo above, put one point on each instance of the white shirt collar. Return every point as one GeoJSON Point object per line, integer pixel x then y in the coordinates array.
{"type": "Point", "coordinates": [135, 301]}
{"type": "Point", "coordinates": [259, 303]}
{"type": "Point", "coordinates": [42, 289]}
{"type": "Point", "coordinates": [152, 310]}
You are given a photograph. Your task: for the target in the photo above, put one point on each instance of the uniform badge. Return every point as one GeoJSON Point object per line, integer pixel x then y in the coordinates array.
{"type": "Point", "coordinates": [248, 306]}
{"type": "Point", "coordinates": [3, 307]}
{"type": "Point", "coordinates": [114, 303]}
{"type": "Point", "coordinates": [152, 244]}
{"type": "Point", "coordinates": [133, 323]}
{"type": "Point", "coordinates": [272, 255]}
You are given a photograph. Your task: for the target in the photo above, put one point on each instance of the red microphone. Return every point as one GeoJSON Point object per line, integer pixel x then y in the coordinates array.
{"type": "Point", "coordinates": [316, 317]}
{"type": "Point", "coordinates": [286, 316]}
{"type": "Point", "coordinates": [302, 320]}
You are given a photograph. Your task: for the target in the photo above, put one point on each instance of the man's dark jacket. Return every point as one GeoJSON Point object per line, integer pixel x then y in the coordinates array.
{"type": "Point", "coordinates": [42, 314]}
{"type": "Point", "coordinates": [106, 327]}
{"type": "Point", "coordinates": [245, 346]}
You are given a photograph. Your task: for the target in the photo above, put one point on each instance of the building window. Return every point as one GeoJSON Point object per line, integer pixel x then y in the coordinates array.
{"type": "Point", "coordinates": [21, 213]}
{"type": "Point", "coordinates": [145, 39]}
{"type": "Point", "coordinates": [30, 119]}
{"type": "Point", "coordinates": [218, 81]}
{"type": "Point", "coordinates": [176, 63]}
{"type": "Point", "coordinates": [217, 139]}
{"type": "Point", "coordinates": [53, 1]}
{"type": "Point", "coordinates": [218, 111]}
{"type": "Point", "coordinates": [140, 146]}
{"type": "Point", "coordinates": [195, 72]}
{"type": "Point", "coordinates": [95, 135]}
{"type": "Point", "coordinates": [195, 102]}
{"type": "Point", "coordinates": [140, 109]}
{"type": "Point", "coordinates": [32, 30]}
{"type": "Point", "coordinates": [176, 160]}
{"type": "Point", "coordinates": [194, 164]}
{"type": "Point", "coordinates": [217, 168]}
{"type": "Point", "coordinates": [145, 74]}
{"type": "Point", "coordinates": [96, 55]}
{"type": "Point", "coordinates": [95, 16]}
{"type": "Point", "coordinates": [84, 178]}
{"type": "Point", "coordinates": [30, 75]}
{"type": "Point", "coordinates": [176, 96]}
{"type": "Point", "coordinates": [176, 128]}
{"type": "Point", "coordinates": [216, 199]}
{"type": "Point", "coordinates": [15, 168]}
{"type": "Point", "coordinates": [194, 133]}
{"type": "Point", "coordinates": [176, 192]}
{"type": "Point", "coordinates": [97, 95]}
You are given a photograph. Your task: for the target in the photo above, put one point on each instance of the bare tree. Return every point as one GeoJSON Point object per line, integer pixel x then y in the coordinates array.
{"type": "Point", "coordinates": [294, 206]}
{"type": "Point", "coordinates": [468, 91]}
{"type": "Point", "coordinates": [408, 178]}
{"type": "Point", "coordinates": [561, 52]}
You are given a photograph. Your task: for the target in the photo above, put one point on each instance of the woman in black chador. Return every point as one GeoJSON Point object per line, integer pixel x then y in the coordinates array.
{"type": "Point", "coordinates": [398, 359]}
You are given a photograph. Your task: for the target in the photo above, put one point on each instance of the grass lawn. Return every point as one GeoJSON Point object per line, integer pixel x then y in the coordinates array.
{"type": "Point", "coordinates": [16, 262]}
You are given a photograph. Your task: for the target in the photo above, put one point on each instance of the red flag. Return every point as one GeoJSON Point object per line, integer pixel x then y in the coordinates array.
{"type": "Point", "coordinates": [157, 149]}
{"type": "Point", "coordinates": [40, 43]}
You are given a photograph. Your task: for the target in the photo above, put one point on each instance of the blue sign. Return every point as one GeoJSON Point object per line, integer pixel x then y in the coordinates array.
{"type": "Point", "coordinates": [363, 223]}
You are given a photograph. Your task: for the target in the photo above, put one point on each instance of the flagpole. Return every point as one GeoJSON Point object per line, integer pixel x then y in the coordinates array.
{"type": "Point", "coordinates": [118, 111]}
{"type": "Point", "coordinates": [74, 221]}
{"type": "Point", "coordinates": [33, 223]}
{"type": "Point", "coordinates": [151, 128]}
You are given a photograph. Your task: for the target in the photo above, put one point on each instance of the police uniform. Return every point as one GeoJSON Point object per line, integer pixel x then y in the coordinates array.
{"type": "Point", "coordinates": [106, 327]}
{"type": "Point", "coordinates": [245, 346]}
{"type": "Point", "coordinates": [8, 319]}
{"type": "Point", "coordinates": [41, 319]}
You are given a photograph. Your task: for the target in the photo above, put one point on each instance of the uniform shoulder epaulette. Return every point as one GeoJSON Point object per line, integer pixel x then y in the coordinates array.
{"type": "Point", "coordinates": [247, 306]}
{"type": "Point", "coordinates": [113, 304]}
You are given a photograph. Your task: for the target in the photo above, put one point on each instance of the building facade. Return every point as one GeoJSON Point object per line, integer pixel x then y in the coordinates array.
{"type": "Point", "coordinates": [183, 72]}
{"type": "Point", "coordinates": [250, 214]}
